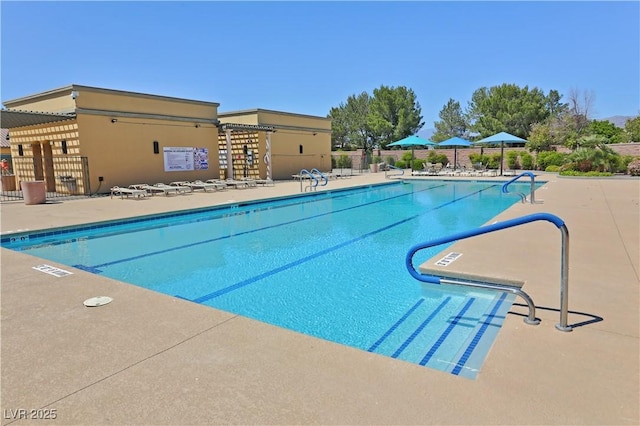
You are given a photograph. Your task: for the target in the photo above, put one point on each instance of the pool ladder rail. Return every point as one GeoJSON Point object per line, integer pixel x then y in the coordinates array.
{"type": "Point", "coordinates": [314, 176]}
{"type": "Point", "coordinates": [532, 197]}
{"type": "Point", "coordinates": [564, 264]}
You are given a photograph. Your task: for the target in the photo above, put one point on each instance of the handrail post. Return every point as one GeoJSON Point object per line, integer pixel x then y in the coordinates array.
{"type": "Point", "coordinates": [532, 197]}
{"type": "Point", "coordinates": [564, 282]}
{"type": "Point", "coordinates": [564, 272]}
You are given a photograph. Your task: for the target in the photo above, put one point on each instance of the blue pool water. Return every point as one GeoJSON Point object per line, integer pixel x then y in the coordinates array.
{"type": "Point", "coordinates": [329, 265]}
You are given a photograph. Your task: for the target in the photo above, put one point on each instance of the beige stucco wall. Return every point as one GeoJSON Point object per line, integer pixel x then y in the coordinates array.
{"type": "Point", "coordinates": [291, 131]}
{"type": "Point", "coordinates": [115, 131]}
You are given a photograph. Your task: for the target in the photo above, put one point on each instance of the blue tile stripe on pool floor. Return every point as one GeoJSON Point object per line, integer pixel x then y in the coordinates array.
{"type": "Point", "coordinates": [446, 333]}
{"type": "Point", "coordinates": [300, 261]}
{"type": "Point", "coordinates": [474, 342]}
{"type": "Point", "coordinates": [197, 243]}
{"type": "Point", "coordinates": [394, 326]}
{"type": "Point", "coordinates": [421, 327]}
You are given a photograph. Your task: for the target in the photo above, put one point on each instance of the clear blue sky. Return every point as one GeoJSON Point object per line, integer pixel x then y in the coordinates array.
{"type": "Point", "coordinates": [307, 57]}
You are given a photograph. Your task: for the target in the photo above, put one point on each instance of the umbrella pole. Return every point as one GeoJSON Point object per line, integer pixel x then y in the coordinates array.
{"type": "Point", "coordinates": [411, 159]}
{"type": "Point", "coordinates": [501, 156]}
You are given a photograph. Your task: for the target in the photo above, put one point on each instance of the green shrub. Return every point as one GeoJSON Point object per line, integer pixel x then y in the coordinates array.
{"type": "Point", "coordinates": [435, 157]}
{"type": "Point", "coordinates": [391, 160]}
{"type": "Point", "coordinates": [376, 159]}
{"type": "Point", "coordinates": [512, 160]}
{"type": "Point", "coordinates": [406, 157]}
{"type": "Point", "coordinates": [401, 164]}
{"type": "Point", "coordinates": [343, 161]}
{"type": "Point", "coordinates": [418, 164]}
{"type": "Point", "coordinates": [477, 158]}
{"type": "Point", "coordinates": [588, 174]}
{"type": "Point", "coordinates": [493, 161]}
{"type": "Point", "coordinates": [552, 168]}
{"type": "Point", "coordinates": [527, 160]}
{"type": "Point", "coordinates": [550, 158]}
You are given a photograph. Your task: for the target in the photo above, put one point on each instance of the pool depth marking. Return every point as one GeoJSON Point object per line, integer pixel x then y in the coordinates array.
{"type": "Point", "coordinates": [95, 268]}
{"type": "Point", "coordinates": [289, 265]}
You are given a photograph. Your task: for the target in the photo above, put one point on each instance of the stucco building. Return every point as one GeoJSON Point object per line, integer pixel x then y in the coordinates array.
{"type": "Point", "coordinates": [84, 140]}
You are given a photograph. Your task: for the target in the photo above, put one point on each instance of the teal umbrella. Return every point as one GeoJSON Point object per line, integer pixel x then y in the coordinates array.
{"type": "Point", "coordinates": [413, 142]}
{"type": "Point", "coordinates": [502, 138]}
{"type": "Point", "coordinates": [455, 142]}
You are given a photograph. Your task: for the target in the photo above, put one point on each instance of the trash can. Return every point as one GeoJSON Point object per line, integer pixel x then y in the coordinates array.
{"type": "Point", "coordinates": [33, 192]}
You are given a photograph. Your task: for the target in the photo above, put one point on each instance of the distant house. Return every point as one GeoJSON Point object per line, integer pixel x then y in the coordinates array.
{"type": "Point", "coordinates": [84, 140]}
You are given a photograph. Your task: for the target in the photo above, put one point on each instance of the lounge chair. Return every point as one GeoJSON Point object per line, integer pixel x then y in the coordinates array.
{"type": "Point", "coordinates": [158, 188]}
{"type": "Point", "coordinates": [238, 184]}
{"type": "Point", "coordinates": [196, 184]}
{"type": "Point", "coordinates": [251, 183]}
{"type": "Point", "coordinates": [220, 185]}
{"type": "Point", "coordinates": [122, 192]}
{"type": "Point", "coordinates": [265, 182]}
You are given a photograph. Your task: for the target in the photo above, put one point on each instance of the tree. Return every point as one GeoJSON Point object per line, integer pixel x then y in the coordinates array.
{"type": "Point", "coordinates": [540, 138]}
{"type": "Point", "coordinates": [606, 129]}
{"type": "Point", "coordinates": [580, 105]}
{"type": "Point", "coordinates": [394, 114]}
{"type": "Point", "coordinates": [351, 124]}
{"type": "Point", "coordinates": [453, 123]}
{"type": "Point", "coordinates": [632, 128]}
{"type": "Point", "coordinates": [510, 108]}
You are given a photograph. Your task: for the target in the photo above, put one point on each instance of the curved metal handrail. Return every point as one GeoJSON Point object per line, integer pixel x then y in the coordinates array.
{"type": "Point", "coordinates": [386, 172]}
{"type": "Point", "coordinates": [532, 197]}
{"type": "Point", "coordinates": [322, 176]}
{"type": "Point", "coordinates": [313, 181]}
{"type": "Point", "coordinates": [564, 263]}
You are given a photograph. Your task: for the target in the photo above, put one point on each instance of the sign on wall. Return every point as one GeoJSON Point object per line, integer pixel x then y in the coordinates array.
{"type": "Point", "coordinates": [178, 159]}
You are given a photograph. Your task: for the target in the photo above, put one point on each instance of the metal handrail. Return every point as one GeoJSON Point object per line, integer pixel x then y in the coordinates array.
{"type": "Point", "coordinates": [322, 176]}
{"type": "Point", "coordinates": [386, 172]}
{"type": "Point", "coordinates": [532, 198]}
{"type": "Point", "coordinates": [564, 263]}
{"type": "Point", "coordinates": [313, 181]}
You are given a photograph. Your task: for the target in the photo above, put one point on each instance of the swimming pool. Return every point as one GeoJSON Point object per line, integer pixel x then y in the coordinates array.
{"type": "Point", "coordinates": [330, 265]}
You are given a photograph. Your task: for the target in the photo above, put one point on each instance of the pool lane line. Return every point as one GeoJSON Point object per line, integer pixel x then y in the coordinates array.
{"type": "Point", "coordinates": [476, 339]}
{"type": "Point", "coordinates": [95, 268]}
{"type": "Point", "coordinates": [396, 325]}
{"type": "Point", "coordinates": [447, 331]}
{"type": "Point", "coordinates": [305, 259]}
{"type": "Point", "coordinates": [421, 327]}
{"type": "Point", "coordinates": [313, 198]}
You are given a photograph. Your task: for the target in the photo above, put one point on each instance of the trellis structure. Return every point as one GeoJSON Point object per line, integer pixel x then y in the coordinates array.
{"type": "Point", "coordinates": [239, 150]}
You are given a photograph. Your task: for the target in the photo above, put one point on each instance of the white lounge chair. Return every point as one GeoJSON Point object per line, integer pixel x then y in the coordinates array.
{"type": "Point", "coordinates": [122, 192]}
{"type": "Point", "coordinates": [238, 184]}
{"type": "Point", "coordinates": [157, 188]}
{"type": "Point", "coordinates": [197, 184]}
{"type": "Point", "coordinates": [220, 185]}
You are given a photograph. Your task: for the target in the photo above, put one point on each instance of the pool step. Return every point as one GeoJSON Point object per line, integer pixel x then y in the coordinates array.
{"type": "Point", "coordinates": [477, 346]}
{"type": "Point", "coordinates": [415, 338]}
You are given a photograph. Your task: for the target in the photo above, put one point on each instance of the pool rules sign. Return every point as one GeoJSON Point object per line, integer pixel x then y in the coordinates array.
{"type": "Point", "coordinates": [178, 159]}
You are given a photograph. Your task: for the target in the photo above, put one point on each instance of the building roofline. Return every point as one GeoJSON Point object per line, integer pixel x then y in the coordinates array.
{"type": "Point", "coordinates": [79, 88]}
{"type": "Point", "coordinates": [259, 110]}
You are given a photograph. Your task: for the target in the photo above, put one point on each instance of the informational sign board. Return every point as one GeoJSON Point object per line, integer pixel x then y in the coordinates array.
{"type": "Point", "coordinates": [178, 159]}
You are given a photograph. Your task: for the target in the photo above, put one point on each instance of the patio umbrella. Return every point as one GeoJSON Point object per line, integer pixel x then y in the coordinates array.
{"type": "Point", "coordinates": [455, 142]}
{"type": "Point", "coordinates": [412, 141]}
{"type": "Point", "coordinates": [502, 138]}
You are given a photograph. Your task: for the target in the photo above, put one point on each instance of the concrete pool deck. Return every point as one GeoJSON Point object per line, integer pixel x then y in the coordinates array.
{"type": "Point", "coordinates": [148, 358]}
